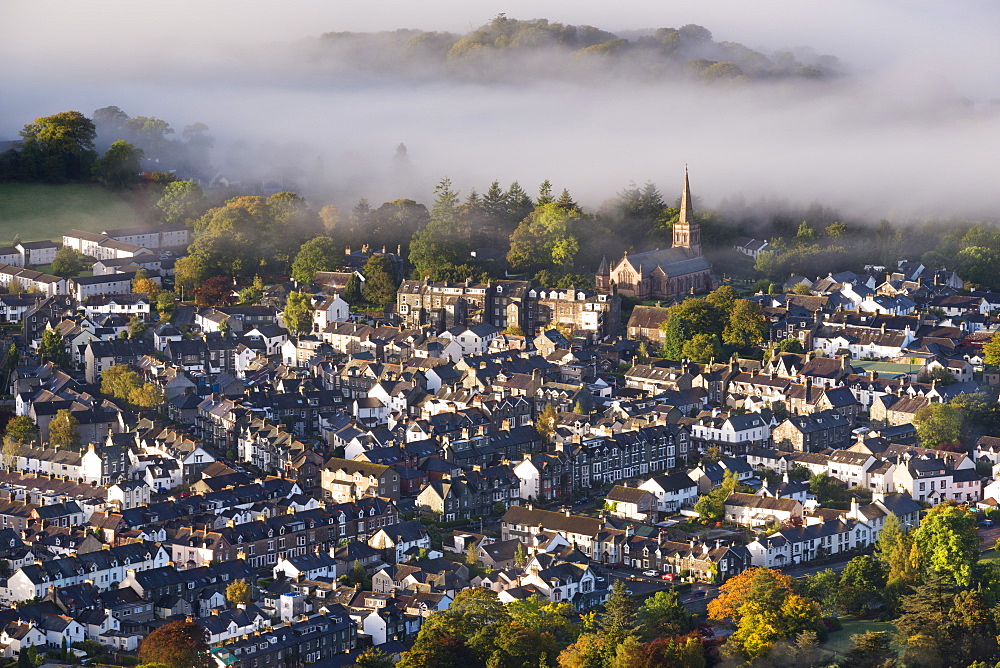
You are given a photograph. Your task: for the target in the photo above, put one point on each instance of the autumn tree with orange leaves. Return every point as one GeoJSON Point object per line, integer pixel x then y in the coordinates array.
{"type": "Point", "coordinates": [762, 605]}
{"type": "Point", "coordinates": [177, 645]}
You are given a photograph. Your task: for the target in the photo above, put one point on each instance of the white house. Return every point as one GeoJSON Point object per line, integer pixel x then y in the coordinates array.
{"type": "Point", "coordinates": [472, 340]}
{"type": "Point", "coordinates": [673, 491]}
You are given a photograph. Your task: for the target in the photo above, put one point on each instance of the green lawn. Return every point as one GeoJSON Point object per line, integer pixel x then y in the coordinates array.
{"type": "Point", "coordinates": [37, 211]}
{"type": "Point", "coordinates": [840, 641]}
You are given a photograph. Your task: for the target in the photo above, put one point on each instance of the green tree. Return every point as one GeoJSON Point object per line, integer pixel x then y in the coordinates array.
{"type": "Point", "coordinates": [64, 430]}
{"type": "Point", "coordinates": [252, 293]}
{"type": "Point", "coordinates": [938, 423]}
{"type": "Point", "coordinates": [836, 230]}
{"type": "Point", "coordinates": [546, 237]}
{"type": "Point", "coordinates": [520, 555]}
{"type": "Point", "coordinates": [21, 429]}
{"type": "Point", "coordinates": [619, 620]}
{"type": "Point", "coordinates": [711, 507]}
{"type": "Point", "coordinates": [662, 615]}
{"type": "Point", "coordinates": [933, 632]}
{"type": "Point", "coordinates": [318, 254]}
{"type": "Point", "coordinates": [861, 584]}
{"type": "Point", "coordinates": [442, 240]}
{"type": "Point", "coordinates": [871, 649]}
{"type": "Point", "coordinates": [688, 319]}
{"type": "Point", "coordinates": [181, 644]}
{"type": "Point", "coordinates": [380, 285]}
{"type": "Point", "coordinates": [805, 234]}
{"type": "Point", "coordinates": [747, 326]}
{"type": "Point", "coordinates": [67, 263]}
{"type": "Point", "coordinates": [702, 348]}
{"type": "Point", "coordinates": [59, 147]}
{"type": "Point", "coordinates": [373, 658]}
{"type": "Point", "coordinates": [119, 167]}
{"type": "Point", "coordinates": [788, 346]}
{"type": "Point", "coordinates": [52, 348]}
{"type": "Point", "coordinates": [238, 592]}
{"type": "Point", "coordinates": [298, 313]}
{"type": "Point", "coordinates": [948, 542]}
{"type": "Point", "coordinates": [940, 374]}
{"type": "Point", "coordinates": [181, 201]}
{"type": "Point", "coordinates": [352, 291]}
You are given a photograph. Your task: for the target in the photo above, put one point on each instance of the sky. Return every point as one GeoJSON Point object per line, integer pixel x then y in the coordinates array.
{"type": "Point", "coordinates": [910, 131]}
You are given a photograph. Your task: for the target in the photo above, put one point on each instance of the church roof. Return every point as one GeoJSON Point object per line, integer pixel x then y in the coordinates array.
{"type": "Point", "coordinates": [674, 261]}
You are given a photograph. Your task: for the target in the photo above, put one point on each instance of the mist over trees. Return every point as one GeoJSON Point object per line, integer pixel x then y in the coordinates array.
{"type": "Point", "coordinates": [506, 49]}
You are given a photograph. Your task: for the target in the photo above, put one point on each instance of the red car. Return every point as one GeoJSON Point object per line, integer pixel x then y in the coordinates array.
{"type": "Point", "coordinates": [670, 577]}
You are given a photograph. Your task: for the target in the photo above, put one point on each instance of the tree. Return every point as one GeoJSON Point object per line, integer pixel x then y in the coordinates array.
{"type": "Point", "coordinates": [59, 147]}
{"type": "Point", "coordinates": [380, 285]}
{"type": "Point", "coordinates": [788, 346]}
{"type": "Point", "coordinates": [619, 620]}
{"type": "Point", "coordinates": [991, 352]}
{"type": "Point", "coordinates": [546, 422]}
{"type": "Point", "coordinates": [940, 626]}
{"type": "Point", "coordinates": [374, 658]}
{"type": "Point", "coordinates": [471, 555]}
{"type": "Point", "coordinates": [181, 644]}
{"type": "Point", "coordinates": [181, 202]}
{"type": "Point", "coordinates": [763, 606]}
{"type": "Point", "coordinates": [21, 429]}
{"type": "Point", "coordinates": [11, 452]}
{"type": "Point", "coordinates": [747, 326]}
{"type": "Point", "coordinates": [64, 430]}
{"type": "Point", "coordinates": [520, 555]}
{"type": "Point", "coordinates": [148, 396]}
{"type": "Point", "coordinates": [318, 254]}
{"type": "Point", "coordinates": [938, 423]}
{"type": "Point", "coordinates": [861, 584]}
{"type": "Point", "coordinates": [298, 313]}
{"type": "Point", "coordinates": [947, 542]}
{"type": "Point", "coordinates": [701, 348]}
{"type": "Point", "coordinates": [252, 293]}
{"type": "Point", "coordinates": [143, 284]}
{"type": "Point", "coordinates": [352, 291]}
{"type": "Point", "coordinates": [836, 230]}
{"type": "Point", "coordinates": [136, 328]}
{"type": "Point", "coordinates": [663, 615]}
{"type": "Point", "coordinates": [67, 262]}
{"type": "Point", "coordinates": [441, 241]}
{"type": "Point", "coordinates": [119, 167]}
{"type": "Point", "coordinates": [546, 237]}
{"type": "Point", "coordinates": [166, 304]}
{"type": "Point", "coordinates": [711, 507]}
{"type": "Point", "coordinates": [688, 319]}
{"type": "Point", "coordinates": [805, 234]}
{"type": "Point", "coordinates": [215, 291]}
{"type": "Point", "coordinates": [120, 381]}
{"type": "Point", "coordinates": [871, 649]}
{"type": "Point", "coordinates": [940, 374]}
{"type": "Point", "coordinates": [52, 348]}
{"type": "Point", "coordinates": [238, 592]}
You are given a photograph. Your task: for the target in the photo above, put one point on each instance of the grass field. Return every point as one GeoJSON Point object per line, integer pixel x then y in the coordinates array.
{"type": "Point", "coordinates": [840, 641]}
{"type": "Point", "coordinates": [37, 211]}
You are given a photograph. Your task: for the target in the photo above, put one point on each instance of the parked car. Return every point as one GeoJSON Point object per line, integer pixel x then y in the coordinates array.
{"type": "Point", "coordinates": [650, 574]}
{"type": "Point", "coordinates": [669, 577]}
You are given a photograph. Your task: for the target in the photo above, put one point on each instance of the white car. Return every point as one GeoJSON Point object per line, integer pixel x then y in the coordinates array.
{"type": "Point", "coordinates": [650, 574]}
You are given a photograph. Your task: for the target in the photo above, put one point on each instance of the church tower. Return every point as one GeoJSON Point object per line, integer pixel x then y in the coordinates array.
{"type": "Point", "coordinates": [687, 231]}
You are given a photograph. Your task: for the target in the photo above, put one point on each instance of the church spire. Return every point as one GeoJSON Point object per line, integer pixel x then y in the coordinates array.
{"type": "Point", "coordinates": [687, 210]}
{"type": "Point", "coordinates": [687, 231]}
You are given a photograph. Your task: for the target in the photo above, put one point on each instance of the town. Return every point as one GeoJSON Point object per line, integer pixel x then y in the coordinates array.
{"type": "Point", "coordinates": [356, 474]}
{"type": "Point", "coordinates": [251, 419]}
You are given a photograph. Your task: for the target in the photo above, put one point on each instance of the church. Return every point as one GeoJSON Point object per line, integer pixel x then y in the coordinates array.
{"type": "Point", "coordinates": [663, 274]}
